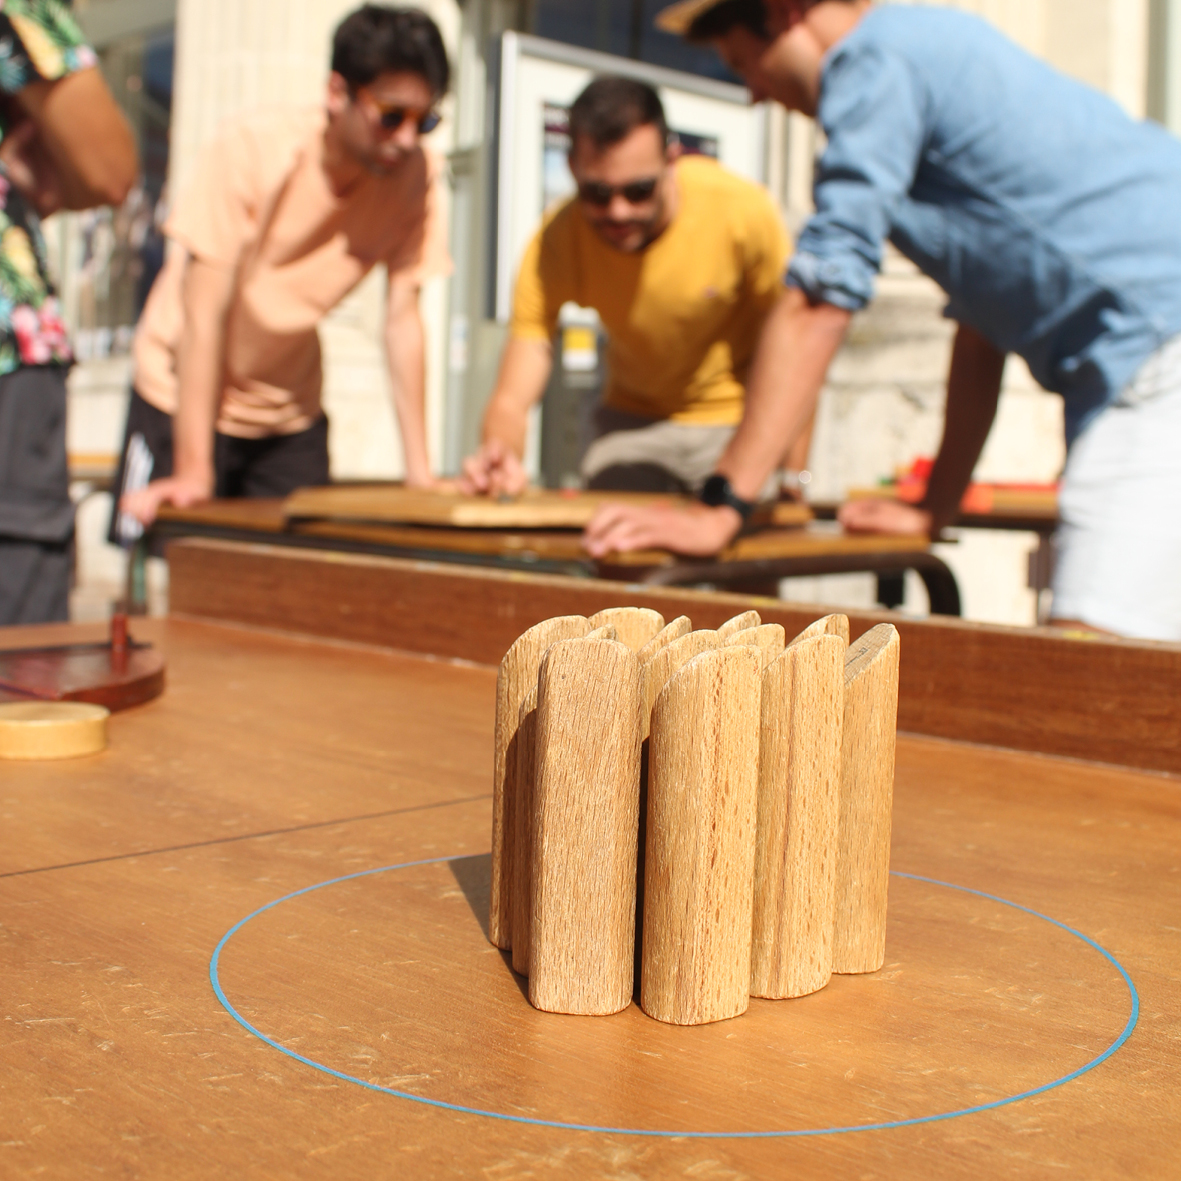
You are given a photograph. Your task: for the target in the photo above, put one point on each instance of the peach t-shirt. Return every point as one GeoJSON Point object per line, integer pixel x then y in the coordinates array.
{"type": "Point", "coordinates": [260, 205]}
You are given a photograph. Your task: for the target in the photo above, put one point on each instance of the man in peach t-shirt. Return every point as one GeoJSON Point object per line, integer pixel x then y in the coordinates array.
{"type": "Point", "coordinates": [286, 214]}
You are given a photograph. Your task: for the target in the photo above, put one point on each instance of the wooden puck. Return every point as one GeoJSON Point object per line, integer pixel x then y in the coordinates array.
{"type": "Point", "coordinates": [52, 729]}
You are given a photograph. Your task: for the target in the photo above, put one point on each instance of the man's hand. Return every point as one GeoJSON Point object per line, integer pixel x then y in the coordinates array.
{"type": "Point", "coordinates": [883, 515]}
{"type": "Point", "coordinates": [182, 491]}
{"type": "Point", "coordinates": [696, 529]}
{"type": "Point", "coordinates": [494, 470]}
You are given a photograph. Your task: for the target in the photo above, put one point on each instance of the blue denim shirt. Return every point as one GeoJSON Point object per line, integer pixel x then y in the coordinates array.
{"type": "Point", "coordinates": [1051, 219]}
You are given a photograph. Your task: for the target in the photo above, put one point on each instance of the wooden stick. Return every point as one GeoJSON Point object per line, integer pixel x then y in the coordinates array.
{"type": "Point", "coordinates": [585, 819]}
{"type": "Point", "coordinates": [521, 891]}
{"type": "Point", "coordinates": [830, 625]}
{"type": "Point", "coordinates": [517, 675]}
{"type": "Point", "coordinates": [739, 623]}
{"type": "Point", "coordinates": [867, 797]}
{"type": "Point", "coordinates": [768, 638]}
{"type": "Point", "coordinates": [681, 626]}
{"type": "Point", "coordinates": [803, 701]}
{"type": "Point", "coordinates": [634, 626]}
{"type": "Point", "coordinates": [656, 673]}
{"type": "Point", "coordinates": [702, 812]}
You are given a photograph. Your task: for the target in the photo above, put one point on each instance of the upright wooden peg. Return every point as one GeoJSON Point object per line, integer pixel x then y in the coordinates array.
{"type": "Point", "coordinates": [830, 625]}
{"type": "Point", "coordinates": [739, 623]}
{"type": "Point", "coordinates": [768, 638]}
{"type": "Point", "coordinates": [702, 808]}
{"type": "Point", "coordinates": [802, 705]}
{"type": "Point", "coordinates": [585, 820]}
{"type": "Point", "coordinates": [867, 797]}
{"type": "Point", "coordinates": [656, 673]}
{"type": "Point", "coordinates": [634, 626]}
{"type": "Point", "coordinates": [681, 626]}
{"type": "Point", "coordinates": [517, 675]}
{"type": "Point", "coordinates": [521, 890]}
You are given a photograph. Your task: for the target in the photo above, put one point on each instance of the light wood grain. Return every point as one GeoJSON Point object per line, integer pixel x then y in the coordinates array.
{"type": "Point", "coordinates": [830, 625]}
{"type": "Point", "coordinates": [585, 820]}
{"type": "Point", "coordinates": [768, 638]}
{"type": "Point", "coordinates": [635, 626]}
{"type": "Point", "coordinates": [517, 675]}
{"type": "Point", "coordinates": [803, 700]}
{"type": "Point", "coordinates": [699, 865]}
{"type": "Point", "coordinates": [866, 802]}
{"type": "Point", "coordinates": [521, 891]}
{"type": "Point", "coordinates": [681, 626]}
{"type": "Point", "coordinates": [52, 729]}
{"type": "Point", "coordinates": [739, 623]}
{"type": "Point", "coordinates": [655, 674]}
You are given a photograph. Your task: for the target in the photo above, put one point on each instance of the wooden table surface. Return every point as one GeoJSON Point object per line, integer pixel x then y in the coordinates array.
{"type": "Point", "coordinates": [266, 518]}
{"type": "Point", "coordinates": [276, 762]}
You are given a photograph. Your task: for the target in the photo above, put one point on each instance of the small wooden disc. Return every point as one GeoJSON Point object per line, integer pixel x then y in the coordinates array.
{"type": "Point", "coordinates": [52, 729]}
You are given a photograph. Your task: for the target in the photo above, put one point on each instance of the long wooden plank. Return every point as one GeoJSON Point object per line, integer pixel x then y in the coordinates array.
{"type": "Point", "coordinates": [1029, 689]}
{"type": "Point", "coordinates": [535, 509]}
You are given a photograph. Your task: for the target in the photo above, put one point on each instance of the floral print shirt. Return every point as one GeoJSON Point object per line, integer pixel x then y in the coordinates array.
{"type": "Point", "coordinates": [38, 40]}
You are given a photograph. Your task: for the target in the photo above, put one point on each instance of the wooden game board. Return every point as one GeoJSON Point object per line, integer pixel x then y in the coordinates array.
{"type": "Point", "coordinates": [248, 939]}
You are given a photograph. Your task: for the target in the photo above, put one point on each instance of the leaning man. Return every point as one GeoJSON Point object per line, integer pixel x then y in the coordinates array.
{"type": "Point", "coordinates": [681, 259]}
{"type": "Point", "coordinates": [1053, 222]}
{"type": "Point", "coordinates": [287, 212]}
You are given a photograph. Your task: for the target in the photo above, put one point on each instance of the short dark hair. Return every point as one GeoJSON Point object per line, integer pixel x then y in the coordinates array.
{"type": "Point", "coordinates": [612, 107]}
{"type": "Point", "coordinates": [378, 39]}
{"type": "Point", "coordinates": [730, 14]}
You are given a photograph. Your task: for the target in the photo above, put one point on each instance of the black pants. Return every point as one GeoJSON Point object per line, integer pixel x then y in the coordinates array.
{"type": "Point", "coordinates": [273, 466]}
{"type": "Point", "coordinates": [36, 516]}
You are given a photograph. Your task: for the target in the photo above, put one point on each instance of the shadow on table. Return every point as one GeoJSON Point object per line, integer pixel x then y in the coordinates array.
{"type": "Point", "coordinates": [473, 875]}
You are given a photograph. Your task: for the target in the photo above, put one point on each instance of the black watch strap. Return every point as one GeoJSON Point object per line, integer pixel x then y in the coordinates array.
{"type": "Point", "coordinates": [716, 491]}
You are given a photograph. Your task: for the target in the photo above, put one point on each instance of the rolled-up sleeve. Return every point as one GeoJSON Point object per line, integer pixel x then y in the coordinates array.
{"type": "Point", "coordinates": [873, 111]}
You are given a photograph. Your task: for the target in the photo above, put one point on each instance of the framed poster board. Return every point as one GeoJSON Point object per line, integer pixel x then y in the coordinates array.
{"type": "Point", "coordinates": [537, 82]}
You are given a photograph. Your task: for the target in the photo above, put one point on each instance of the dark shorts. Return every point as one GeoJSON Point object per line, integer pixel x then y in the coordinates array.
{"type": "Point", "coordinates": [36, 515]}
{"type": "Point", "coordinates": [270, 467]}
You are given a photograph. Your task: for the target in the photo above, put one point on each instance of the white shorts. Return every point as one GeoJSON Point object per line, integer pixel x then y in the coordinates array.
{"type": "Point", "coordinates": [1119, 542]}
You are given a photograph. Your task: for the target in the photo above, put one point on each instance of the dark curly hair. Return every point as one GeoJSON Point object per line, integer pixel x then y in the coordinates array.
{"type": "Point", "coordinates": [378, 39]}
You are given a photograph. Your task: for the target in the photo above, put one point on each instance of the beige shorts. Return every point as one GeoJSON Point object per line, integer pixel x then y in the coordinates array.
{"type": "Point", "coordinates": [635, 454]}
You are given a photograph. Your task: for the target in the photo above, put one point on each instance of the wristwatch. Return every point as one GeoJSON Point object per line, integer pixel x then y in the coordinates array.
{"type": "Point", "coordinates": [716, 491]}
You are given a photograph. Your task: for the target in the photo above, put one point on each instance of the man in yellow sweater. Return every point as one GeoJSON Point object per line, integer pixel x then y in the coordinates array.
{"type": "Point", "coordinates": [681, 259]}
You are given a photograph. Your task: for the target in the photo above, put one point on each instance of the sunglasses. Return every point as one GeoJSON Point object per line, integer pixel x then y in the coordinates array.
{"type": "Point", "coordinates": [636, 192]}
{"type": "Point", "coordinates": [391, 118]}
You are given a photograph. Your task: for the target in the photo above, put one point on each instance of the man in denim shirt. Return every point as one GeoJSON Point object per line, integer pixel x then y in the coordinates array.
{"type": "Point", "coordinates": [1053, 222]}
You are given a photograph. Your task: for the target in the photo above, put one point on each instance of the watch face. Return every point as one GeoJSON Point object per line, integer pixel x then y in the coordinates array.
{"type": "Point", "coordinates": [713, 491]}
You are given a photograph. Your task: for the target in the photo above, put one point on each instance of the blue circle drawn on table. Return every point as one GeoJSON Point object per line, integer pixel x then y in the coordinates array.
{"type": "Point", "coordinates": [1133, 1017]}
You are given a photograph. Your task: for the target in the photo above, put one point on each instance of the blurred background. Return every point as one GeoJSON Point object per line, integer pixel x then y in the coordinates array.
{"type": "Point", "coordinates": [179, 67]}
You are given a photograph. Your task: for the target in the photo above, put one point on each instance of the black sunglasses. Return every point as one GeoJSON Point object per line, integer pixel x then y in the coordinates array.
{"type": "Point", "coordinates": [634, 193]}
{"type": "Point", "coordinates": [393, 117]}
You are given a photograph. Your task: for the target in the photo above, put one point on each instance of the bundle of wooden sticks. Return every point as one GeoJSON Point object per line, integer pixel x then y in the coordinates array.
{"type": "Point", "coordinates": [710, 806]}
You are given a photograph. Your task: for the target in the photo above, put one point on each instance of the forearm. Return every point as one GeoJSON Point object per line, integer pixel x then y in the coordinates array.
{"type": "Point", "coordinates": [797, 345]}
{"type": "Point", "coordinates": [85, 137]}
{"type": "Point", "coordinates": [973, 392]}
{"type": "Point", "coordinates": [200, 369]}
{"type": "Point", "coordinates": [406, 356]}
{"type": "Point", "coordinates": [524, 373]}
